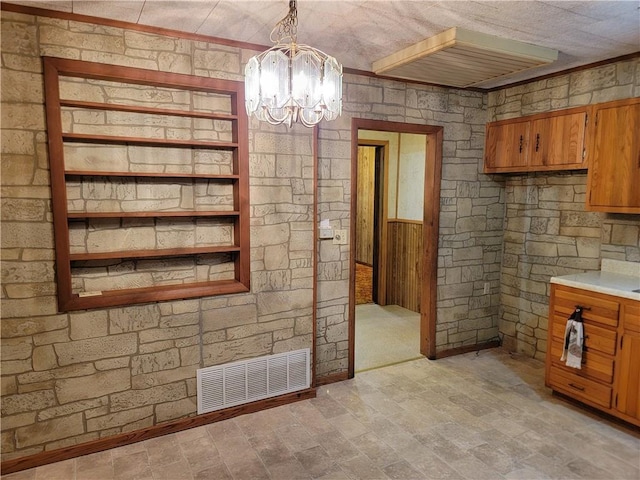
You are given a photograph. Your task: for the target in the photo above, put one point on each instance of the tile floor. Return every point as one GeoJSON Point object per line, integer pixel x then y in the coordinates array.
{"type": "Point", "coordinates": [484, 416]}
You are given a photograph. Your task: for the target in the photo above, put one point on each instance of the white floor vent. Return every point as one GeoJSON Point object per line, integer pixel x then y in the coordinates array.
{"type": "Point", "coordinates": [223, 386]}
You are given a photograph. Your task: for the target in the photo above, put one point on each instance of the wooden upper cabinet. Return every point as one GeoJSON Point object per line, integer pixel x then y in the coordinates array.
{"type": "Point", "coordinates": [507, 146]}
{"type": "Point", "coordinates": [558, 142]}
{"type": "Point", "coordinates": [547, 141]}
{"type": "Point", "coordinates": [613, 183]}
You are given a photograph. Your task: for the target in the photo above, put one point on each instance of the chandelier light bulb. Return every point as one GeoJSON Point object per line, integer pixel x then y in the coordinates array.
{"type": "Point", "coordinates": [293, 82]}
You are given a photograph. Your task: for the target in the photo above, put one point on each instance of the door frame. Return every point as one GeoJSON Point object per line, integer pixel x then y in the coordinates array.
{"type": "Point", "coordinates": [381, 209]}
{"type": "Point", "coordinates": [431, 217]}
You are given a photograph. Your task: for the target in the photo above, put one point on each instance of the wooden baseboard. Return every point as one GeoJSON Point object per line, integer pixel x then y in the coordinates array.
{"type": "Point", "coordinates": [122, 439]}
{"type": "Point", "coordinates": [370, 265]}
{"type": "Point", "coordinates": [336, 377]}
{"type": "Point", "coordinates": [466, 349]}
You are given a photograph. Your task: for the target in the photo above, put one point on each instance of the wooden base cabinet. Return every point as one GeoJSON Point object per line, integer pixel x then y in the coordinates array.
{"type": "Point", "coordinates": [609, 379]}
{"type": "Point", "coordinates": [627, 399]}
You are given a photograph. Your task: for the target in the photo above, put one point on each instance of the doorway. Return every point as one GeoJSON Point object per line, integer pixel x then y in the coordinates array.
{"type": "Point", "coordinates": [394, 237]}
{"type": "Point", "coordinates": [384, 334]}
{"type": "Point", "coordinates": [370, 216]}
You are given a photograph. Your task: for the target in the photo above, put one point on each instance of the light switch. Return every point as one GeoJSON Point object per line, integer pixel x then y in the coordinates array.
{"type": "Point", "coordinates": [325, 233]}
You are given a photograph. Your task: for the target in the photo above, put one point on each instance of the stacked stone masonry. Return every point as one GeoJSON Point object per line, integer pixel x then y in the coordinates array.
{"type": "Point", "coordinates": [471, 213]}
{"type": "Point", "coordinates": [68, 378]}
{"type": "Point", "coordinates": [548, 232]}
{"type": "Point", "coordinates": [120, 194]}
{"type": "Point", "coordinates": [74, 377]}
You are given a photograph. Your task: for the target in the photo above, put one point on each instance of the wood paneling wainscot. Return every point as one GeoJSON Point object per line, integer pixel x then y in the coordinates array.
{"type": "Point", "coordinates": [404, 256]}
{"type": "Point", "coordinates": [365, 205]}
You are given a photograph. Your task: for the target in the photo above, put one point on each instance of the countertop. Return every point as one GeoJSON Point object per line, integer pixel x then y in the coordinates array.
{"type": "Point", "coordinates": [606, 281]}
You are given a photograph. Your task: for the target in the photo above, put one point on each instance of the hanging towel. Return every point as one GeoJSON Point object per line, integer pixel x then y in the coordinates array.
{"type": "Point", "coordinates": [573, 340]}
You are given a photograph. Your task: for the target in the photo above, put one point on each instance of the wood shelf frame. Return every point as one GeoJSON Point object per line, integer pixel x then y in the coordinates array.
{"type": "Point", "coordinates": [167, 175]}
{"type": "Point", "coordinates": [165, 214]}
{"type": "Point", "coordinates": [156, 293]}
{"type": "Point", "coordinates": [239, 250]}
{"type": "Point", "coordinates": [158, 253]}
{"type": "Point", "coordinates": [146, 142]}
{"type": "Point", "coordinates": [116, 107]}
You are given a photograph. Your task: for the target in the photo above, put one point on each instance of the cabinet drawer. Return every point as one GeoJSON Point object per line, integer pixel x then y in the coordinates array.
{"type": "Point", "coordinates": [595, 338]}
{"type": "Point", "coordinates": [579, 387]}
{"type": "Point", "coordinates": [597, 310]}
{"type": "Point", "coordinates": [594, 365]}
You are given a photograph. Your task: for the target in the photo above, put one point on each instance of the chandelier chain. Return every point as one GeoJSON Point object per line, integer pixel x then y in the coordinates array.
{"type": "Point", "coordinates": [287, 28]}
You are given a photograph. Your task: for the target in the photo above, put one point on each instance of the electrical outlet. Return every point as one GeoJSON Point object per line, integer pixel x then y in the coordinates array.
{"type": "Point", "coordinates": [339, 237]}
{"type": "Point", "coordinates": [487, 288]}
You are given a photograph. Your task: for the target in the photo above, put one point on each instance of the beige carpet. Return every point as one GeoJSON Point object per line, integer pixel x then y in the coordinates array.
{"type": "Point", "coordinates": [385, 336]}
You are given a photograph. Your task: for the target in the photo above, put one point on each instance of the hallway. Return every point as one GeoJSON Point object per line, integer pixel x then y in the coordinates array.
{"type": "Point", "coordinates": [473, 416]}
{"type": "Point", "coordinates": [385, 336]}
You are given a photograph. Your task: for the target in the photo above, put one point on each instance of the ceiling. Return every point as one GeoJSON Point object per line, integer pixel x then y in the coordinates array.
{"type": "Point", "coordinates": [360, 32]}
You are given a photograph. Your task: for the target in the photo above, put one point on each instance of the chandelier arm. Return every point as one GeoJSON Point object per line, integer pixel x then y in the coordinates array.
{"type": "Point", "coordinates": [275, 121]}
{"type": "Point", "coordinates": [307, 124]}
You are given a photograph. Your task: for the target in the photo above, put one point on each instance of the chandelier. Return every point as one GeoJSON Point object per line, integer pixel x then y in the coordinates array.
{"type": "Point", "coordinates": [292, 82]}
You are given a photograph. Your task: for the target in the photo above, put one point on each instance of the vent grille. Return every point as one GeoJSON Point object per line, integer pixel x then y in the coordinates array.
{"type": "Point", "coordinates": [224, 386]}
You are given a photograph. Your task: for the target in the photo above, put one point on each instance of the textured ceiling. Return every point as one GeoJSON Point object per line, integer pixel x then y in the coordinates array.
{"type": "Point", "coordinates": [359, 32]}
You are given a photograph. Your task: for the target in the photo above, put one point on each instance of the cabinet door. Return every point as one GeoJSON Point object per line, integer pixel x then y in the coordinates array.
{"type": "Point", "coordinates": [507, 146]}
{"type": "Point", "coordinates": [557, 142]}
{"type": "Point", "coordinates": [628, 367]}
{"type": "Point", "coordinates": [614, 158]}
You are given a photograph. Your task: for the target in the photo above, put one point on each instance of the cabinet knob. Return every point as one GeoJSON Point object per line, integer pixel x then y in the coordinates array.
{"type": "Point", "coordinates": [537, 141]}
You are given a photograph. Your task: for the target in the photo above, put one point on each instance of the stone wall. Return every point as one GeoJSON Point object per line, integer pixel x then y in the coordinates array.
{"type": "Point", "coordinates": [68, 378]}
{"type": "Point", "coordinates": [547, 230]}
{"type": "Point", "coordinates": [71, 378]}
{"type": "Point", "coordinates": [471, 213]}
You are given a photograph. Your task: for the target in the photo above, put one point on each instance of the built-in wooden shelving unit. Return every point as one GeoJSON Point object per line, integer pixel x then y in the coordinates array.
{"type": "Point", "coordinates": [75, 267]}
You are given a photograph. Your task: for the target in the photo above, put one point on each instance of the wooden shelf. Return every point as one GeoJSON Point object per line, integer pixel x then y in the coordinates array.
{"type": "Point", "coordinates": [216, 213]}
{"type": "Point", "coordinates": [156, 293]}
{"type": "Point", "coordinates": [148, 110]}
{"type": "Point", "coordinates": [236, 255]}
{"type": "Point", "coordinates": [149, 142]}
{"type": "Point", "coordinates": [196, 176]}
{"type": "Point", "coordinates": [169, 252]}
